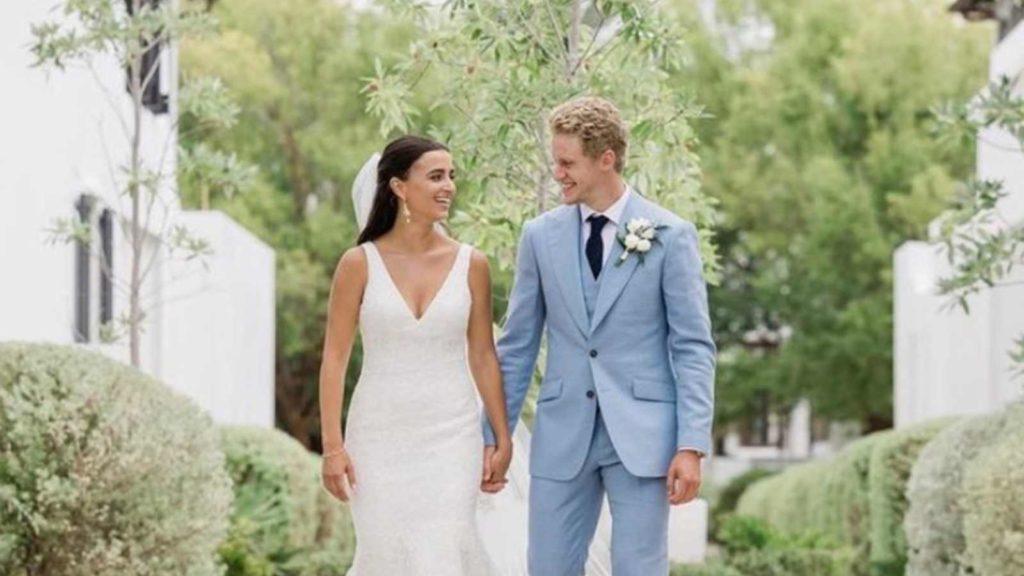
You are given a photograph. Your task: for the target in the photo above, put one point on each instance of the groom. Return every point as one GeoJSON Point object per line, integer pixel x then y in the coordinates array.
{"type": "Point", "coordinates": [625, 406]}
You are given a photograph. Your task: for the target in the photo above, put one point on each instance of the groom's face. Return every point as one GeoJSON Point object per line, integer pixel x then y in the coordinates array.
{"type": "Point", "coordinates": [575, 172]}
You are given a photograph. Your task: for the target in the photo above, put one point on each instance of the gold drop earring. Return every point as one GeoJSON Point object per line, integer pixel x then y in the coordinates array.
{"type": "Point", "coordinates": [406, 213]}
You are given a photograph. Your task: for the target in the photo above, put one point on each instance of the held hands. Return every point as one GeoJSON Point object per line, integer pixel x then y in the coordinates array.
{"type": "Point", "coordinates": [683, 477]}
{"type": "Point", "coordinates": [496, 462]}
{"type": "Point", "coordinates": [336, 468]}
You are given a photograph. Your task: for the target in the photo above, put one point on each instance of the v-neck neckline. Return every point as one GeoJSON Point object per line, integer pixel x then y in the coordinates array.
{"type": "Point", "coordinates": [398, 291]}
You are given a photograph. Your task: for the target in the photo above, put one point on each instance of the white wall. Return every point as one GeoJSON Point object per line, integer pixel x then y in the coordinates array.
{"type": "Point", "coordinates": [61, 137]}
{"type": "Point", "coordinates": [947, 362]}
{"type": "Point", "coordinates": [224, 355]}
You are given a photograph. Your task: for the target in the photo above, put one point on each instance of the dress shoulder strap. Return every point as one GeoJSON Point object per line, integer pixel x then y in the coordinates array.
{"type": "Point", "coordinates": [373, 259]}
{"type": "Point", "coordinates": [463, 259]}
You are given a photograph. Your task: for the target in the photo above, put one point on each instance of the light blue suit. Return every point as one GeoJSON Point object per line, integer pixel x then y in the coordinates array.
{"type": "Point", "coordinates": [628, 382]}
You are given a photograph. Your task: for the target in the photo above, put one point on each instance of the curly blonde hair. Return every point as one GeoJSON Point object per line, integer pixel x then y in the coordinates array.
{"type": "Point", "coordinates": [598, 124]}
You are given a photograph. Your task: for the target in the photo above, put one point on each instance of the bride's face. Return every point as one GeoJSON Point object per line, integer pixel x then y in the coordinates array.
{"type": "Point", "coordinates": [429, 189]}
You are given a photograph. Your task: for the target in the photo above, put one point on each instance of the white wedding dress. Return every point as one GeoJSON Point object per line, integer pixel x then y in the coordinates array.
{"type": "Point", "coordinates": [414, 434]}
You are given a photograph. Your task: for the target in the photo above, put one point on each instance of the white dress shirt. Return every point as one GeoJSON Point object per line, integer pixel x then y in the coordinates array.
{"type": "Point", "coordinates": [614, 215]}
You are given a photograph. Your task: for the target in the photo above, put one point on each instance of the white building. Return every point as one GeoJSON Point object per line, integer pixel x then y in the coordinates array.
{"type": "Point", "coordinates": [948, 362]}
{"type": "Point", "coordinates": [209, 331]}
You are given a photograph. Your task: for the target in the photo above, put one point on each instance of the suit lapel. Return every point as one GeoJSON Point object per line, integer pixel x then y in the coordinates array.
{"type": "Point", "coordinates": [617, 277]}
{"type": "Point", "coordinates": [563, 247]}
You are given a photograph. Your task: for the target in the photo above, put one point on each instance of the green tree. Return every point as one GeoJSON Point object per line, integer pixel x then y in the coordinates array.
{"type": "Point", "coordinates": [501, 68]}
{"type": "Point", "coordinates": [88, 32]}
{"type": "Point", "coordinates": [822, 156]}
{"type": "Point", "coordinates": [981, 243]}
{"type": "Point", "coordinates": [297, 69]}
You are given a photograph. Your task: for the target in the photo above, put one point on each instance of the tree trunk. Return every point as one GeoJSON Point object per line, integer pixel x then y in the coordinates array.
{"type": "Point", "coordinates": [296, 167]}
{"type": "Point", "coordinates": [135, 288]}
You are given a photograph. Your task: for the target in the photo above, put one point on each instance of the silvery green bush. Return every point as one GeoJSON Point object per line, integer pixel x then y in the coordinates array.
{"type": "Point", "coordinates": [793, 502]}
{"type": "Point", "coordinates": [935, 519]}
{"type": "Point", "coordinates": [892, 460]}
{"type": "Point", "coordinates": [282, 517]}
{"type": "Point", "coordinates": [846, 484]}
{"type": "Point", "coordinates": [103, 470]}
{"type": "Point", "coordinates": [993, 502]}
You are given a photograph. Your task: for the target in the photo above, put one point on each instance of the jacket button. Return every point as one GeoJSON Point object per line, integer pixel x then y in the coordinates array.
{"type": "Point", "coordinates": [593, 353]}
{"type": "Point", "coordinates": [590, 393]}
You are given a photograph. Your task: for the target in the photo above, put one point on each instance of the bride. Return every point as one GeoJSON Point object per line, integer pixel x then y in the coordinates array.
{"type": "Point", "coordinates": [411, 462]}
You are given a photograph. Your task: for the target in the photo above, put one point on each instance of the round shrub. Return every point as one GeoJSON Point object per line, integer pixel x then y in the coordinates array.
{"type": "Point", "coordinates": [103, 470]}
{"type": "Point", "coordinates": [993, 503]}
{"type": "Point", "coordinates": [729, 496]}
{"type": "Point", "coordinates": [792, 562]}
{"type": "Point", "coordinates": [892, 460]}
{"type": "Point", "coordinates": [846, 486]}
{"type": "Point", "coordinates": [934, 521]}
{"type": "Point", "coordinates": [275, 485]}
{"type": "Point", "coordinates": [281, 510]}
{"type": "Point", "coordinates": [793, 502]}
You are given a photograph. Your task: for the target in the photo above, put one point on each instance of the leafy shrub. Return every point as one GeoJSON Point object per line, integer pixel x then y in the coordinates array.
{"type": "Point", "coordinates": [103, 470]}
{"type": "Point", "coordinates": [934, 521]}
{"type": "Point", "coordinates": [891, 463]}
{"type": "Point", "coordinates": [710, 569]}
{"type": "Point", "coordinates": [847, 517]}
{"type": "Point", "coordinates": [993, 502]}
{"type": "Point", "coordinates": [792, 562]}
{"type": "Point", "coordinates": [752, 546]}
{"type": "Point", "coordinates": [729, 496]}
{"type": "Point", "coordinates": [282, 516]}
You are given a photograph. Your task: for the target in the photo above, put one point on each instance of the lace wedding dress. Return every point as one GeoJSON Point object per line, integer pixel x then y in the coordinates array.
{"type": "Point", "coordinates": [414, 435]}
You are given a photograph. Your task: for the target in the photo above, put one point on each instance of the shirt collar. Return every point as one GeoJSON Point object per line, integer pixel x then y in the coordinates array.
{"type": "Point", "coordinates": [613, 213]}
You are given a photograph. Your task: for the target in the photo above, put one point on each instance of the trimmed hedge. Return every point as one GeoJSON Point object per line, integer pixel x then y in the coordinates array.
{"type": "Point", "coordinates": [729, 496]}
{"type": "Point", "coordinates": [856, 499]}
{"type": "Point", "coordinates": [752, 546]}
{"type": "Point", "coordinates": [892, 461]}
{"type": "Point", "coordinates": [993, 502]}
{"type": "Point", "coordinates": [935, 519]}
{"type": "Point", "coordinates": [848, 509]}
{"type": "Point", "coordinates": [793, 502]}
{"type": "Point", "coordinates": [282, 517]}
{"type": "Point", "coordinates": [793, 562]}
{"type": "Point", "coordinates": [103, 470]}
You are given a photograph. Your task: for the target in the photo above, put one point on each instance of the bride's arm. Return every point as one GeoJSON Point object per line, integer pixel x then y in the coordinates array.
{"type": "Point", "coordinates": [342, 317]}
{"type": "Point", "coordinates": [483, 358]}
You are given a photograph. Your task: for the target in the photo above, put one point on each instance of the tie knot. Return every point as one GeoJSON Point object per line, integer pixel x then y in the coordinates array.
{"type": "Point", "coordinates": [597, 221]}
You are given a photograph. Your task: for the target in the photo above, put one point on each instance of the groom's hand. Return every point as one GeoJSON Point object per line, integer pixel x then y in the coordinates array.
{"type": "Point", "coordinates": [683, 477]}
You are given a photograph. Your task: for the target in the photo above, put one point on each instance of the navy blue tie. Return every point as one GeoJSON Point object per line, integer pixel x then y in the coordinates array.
{"type": "Point", "coordinates": [595, 244]}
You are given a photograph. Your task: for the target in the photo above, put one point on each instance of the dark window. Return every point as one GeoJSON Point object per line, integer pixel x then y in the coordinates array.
{"type": "Point", "coordinates": [82, 272]}
{"type": "Point", "coordinates": [94, 272]}
{"type": "Point", "coordinates": [107, 270]}
{"type": "Point", "coordinates": [153, 96]}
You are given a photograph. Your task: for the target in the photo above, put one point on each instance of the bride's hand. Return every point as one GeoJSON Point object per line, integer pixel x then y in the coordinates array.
{"type": "Point", "coordinates": [496, 463]}
{"type": "Point", "coordinates": [335, 469]}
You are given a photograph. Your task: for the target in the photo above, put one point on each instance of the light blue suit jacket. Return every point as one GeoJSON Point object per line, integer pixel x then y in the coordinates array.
{"type": "Point", "coordinates": [647, 352]}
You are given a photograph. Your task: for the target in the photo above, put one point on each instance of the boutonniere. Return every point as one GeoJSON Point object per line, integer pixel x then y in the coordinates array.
{"type": "Point", "coordinates": [641, 235]}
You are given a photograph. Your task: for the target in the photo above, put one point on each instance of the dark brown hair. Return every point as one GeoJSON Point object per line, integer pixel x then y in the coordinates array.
{"type": "Point", "coordinates": [395, 162]}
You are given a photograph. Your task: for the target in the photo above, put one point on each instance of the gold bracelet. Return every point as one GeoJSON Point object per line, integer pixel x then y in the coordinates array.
{"type": "Point", "coordinates": [333, 453]}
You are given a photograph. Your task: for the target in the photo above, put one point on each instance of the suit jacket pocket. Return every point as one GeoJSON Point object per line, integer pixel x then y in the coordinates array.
{"type": "Point", "coordinates": [653, 390]}
{"type": "Point", "coordinates": [550, 390]}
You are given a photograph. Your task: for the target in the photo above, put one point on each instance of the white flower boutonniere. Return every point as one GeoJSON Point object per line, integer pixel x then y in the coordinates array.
{"type": "Point", "coordinates": [641, 235]}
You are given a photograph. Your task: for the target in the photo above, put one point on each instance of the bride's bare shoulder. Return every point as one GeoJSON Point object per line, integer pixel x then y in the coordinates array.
{"type": "Point", "coordinates": [351, 266]}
